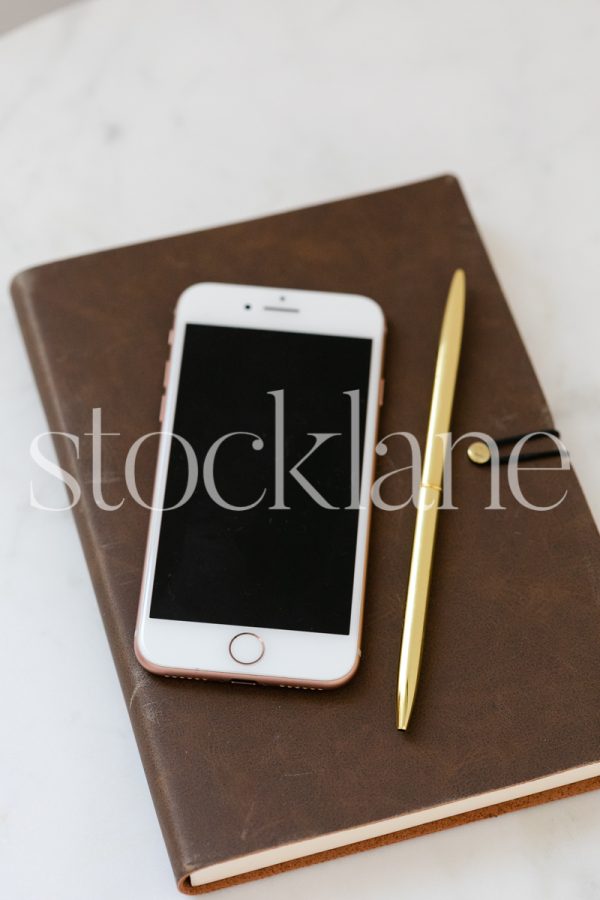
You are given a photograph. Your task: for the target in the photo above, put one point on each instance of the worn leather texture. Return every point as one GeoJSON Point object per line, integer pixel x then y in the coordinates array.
{"type": "Point", "coordinates": [510, 685]}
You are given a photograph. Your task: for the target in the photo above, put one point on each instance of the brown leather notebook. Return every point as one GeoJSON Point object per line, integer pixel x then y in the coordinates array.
{"type": "Point", "coordinates": [248, 781]}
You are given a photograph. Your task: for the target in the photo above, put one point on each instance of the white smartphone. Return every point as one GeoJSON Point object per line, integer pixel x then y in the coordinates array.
{"type": "Point", "coordinates": [257, 545]}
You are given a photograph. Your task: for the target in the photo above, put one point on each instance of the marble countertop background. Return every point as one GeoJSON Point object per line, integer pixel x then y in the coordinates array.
{"type": "Point", "coordinates": [125, 121]}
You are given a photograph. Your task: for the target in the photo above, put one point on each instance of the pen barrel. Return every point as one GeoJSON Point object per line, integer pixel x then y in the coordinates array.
{"type": "Point", "coordinates": [444, 384]}
{"type": "Point", "coordinates": [416, 599]}
{"type": "Point", "coordinates": [444, 381]}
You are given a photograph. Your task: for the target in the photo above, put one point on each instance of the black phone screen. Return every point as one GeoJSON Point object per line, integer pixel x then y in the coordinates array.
{"type": "Point", "coordinates": [264, 540]}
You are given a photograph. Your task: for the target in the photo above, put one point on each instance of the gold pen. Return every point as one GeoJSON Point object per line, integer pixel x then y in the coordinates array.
{"type": "Point", "coordinates": [430, 493]}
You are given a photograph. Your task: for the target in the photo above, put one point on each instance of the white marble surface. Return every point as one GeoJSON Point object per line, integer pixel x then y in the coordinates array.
{"type": "Point", "coordinates": [122, 121]}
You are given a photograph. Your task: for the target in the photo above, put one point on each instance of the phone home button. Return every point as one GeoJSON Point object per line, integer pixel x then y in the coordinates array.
{"type": "Point", "coordinates": [246, 648]}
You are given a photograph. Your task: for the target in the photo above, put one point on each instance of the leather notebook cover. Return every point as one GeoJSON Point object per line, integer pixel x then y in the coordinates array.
{"type": "Point", "coordinates": [510, 684]}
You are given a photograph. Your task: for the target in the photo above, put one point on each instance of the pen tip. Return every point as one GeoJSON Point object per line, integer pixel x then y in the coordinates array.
{"type": "Point", "coordinates": [459, 278]}
{"type": "Point", "coordinates": [402, 713]}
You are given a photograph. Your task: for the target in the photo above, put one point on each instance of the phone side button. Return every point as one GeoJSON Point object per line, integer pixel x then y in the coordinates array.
{"type": "Point", "coordinates": [161, 414]}
{"type": "Point", "coordinates": [381, 391]}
